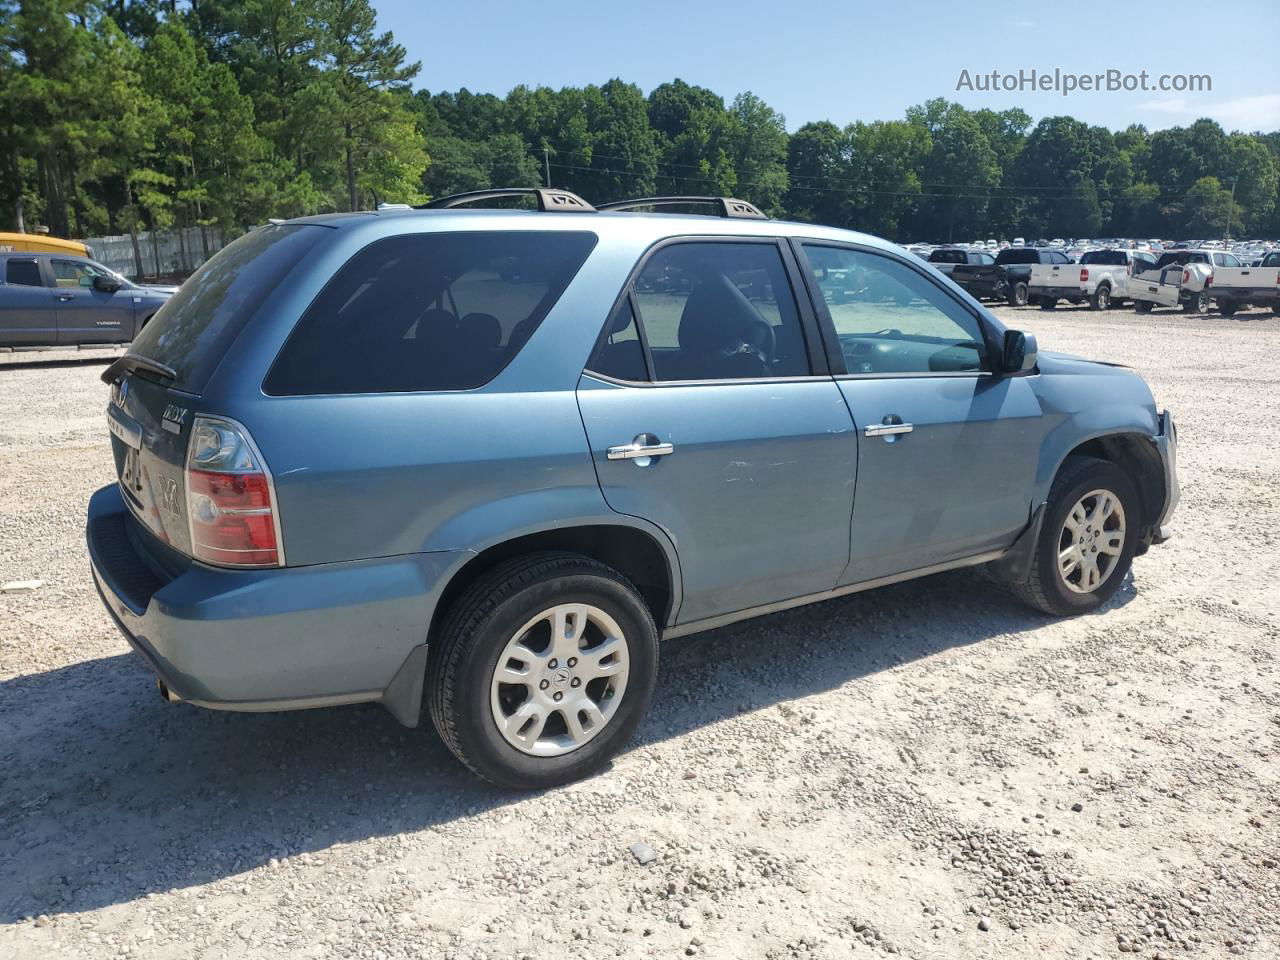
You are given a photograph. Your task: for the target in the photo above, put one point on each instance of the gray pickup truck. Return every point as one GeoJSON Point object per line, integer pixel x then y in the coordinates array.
{"type": "Point", "coordinates": [49, 299]}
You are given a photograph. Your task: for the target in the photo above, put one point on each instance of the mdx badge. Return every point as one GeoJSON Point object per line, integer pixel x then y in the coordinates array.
{"type": "Point", "coordinates": [173, 418]}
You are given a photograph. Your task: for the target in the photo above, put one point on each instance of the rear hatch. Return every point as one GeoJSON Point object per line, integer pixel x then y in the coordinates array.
{"type": "Point", "coordinates": [156, 387]}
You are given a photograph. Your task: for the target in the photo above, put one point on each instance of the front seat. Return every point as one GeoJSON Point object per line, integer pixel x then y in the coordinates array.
{"type": "Point", "coordinates": [719, 334]}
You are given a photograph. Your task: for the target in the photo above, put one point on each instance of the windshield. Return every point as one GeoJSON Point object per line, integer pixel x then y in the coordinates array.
{"type": "Point", "coordinates": [1106, 258]}
{"type": "Point", "coordinates": [198, 324]}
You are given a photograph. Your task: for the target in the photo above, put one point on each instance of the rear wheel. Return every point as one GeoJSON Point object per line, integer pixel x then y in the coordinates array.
{"type": "Point", "coordinates": [1048, 303]}
{"type": "Point", "coordinates": [1018, 295]}
{"type": "Point", "coordinates": [543, 670]}
{"type": "Point", "coordinates": [1143, 306]}
{"type": "Point", "coordinates": [1101, 299]}
{"type": "Point", "coordinates": [1087, 539]}
{"type": "Point", "coordinates": [1227, 308]}
{"type": "Point", "coordinates": [1197, 302]}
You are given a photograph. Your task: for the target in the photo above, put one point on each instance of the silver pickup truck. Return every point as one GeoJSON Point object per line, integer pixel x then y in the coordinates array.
{"type": "Point", "coordinates": [1192, 279]}
{"type": "Point", "coordinates": [1257, 286]}
{"type": "Point", "coordinates": [1101, 277]}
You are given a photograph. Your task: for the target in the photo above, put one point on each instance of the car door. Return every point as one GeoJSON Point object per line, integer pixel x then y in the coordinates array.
{"type": "Point", "coordinates": [710, 412]}
{"type": "Point", "coordinates": [947, 449]}
{"type": "Point", "coordinates": [86, 314]}
{"type": "Point", "coordinates": [28, 316]}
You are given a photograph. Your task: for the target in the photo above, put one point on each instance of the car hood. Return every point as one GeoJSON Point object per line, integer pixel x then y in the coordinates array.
{"type": "Point", "coordinates": [1053, 362]}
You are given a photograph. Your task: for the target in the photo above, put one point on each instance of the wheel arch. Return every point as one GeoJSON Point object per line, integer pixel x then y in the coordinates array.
{"type": "Point", "coordinates": [1134, 453]}
{"type": "Point", "coordinates": [638, 554]}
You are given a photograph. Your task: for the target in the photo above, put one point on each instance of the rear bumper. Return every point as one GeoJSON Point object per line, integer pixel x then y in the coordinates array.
{"type": "Point", "coordinates": [280, 639]}
{"type": "Point", "coordinates": [1062, 293]}
{"type": "Point", "coordinates": [1258, 295]}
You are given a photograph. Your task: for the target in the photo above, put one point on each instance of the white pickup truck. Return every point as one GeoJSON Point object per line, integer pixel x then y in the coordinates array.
{"type": "Point", "coordinates": [1101, 277]}
{"type": "Point", "coordinates": [1249, 286]}
{"type": "Point", "coordinates": [1194, 278]}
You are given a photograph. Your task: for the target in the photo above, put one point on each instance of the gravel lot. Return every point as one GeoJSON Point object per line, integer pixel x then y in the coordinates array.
{"type": "Point", "coordinates": [927, 770]}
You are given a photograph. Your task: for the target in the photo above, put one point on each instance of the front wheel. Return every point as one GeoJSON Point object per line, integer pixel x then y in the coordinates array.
{"type": "Point", "coordinates": [1048, 303]}
{"type": "Point", "coordinates": [1143, 306]}
{"type": "Point", "coordinates": [1018, 295]}
{"type": "Point", "coordinates": [543, 670]}
{"type": "Point", "coordinates": [1227, 308]}
{"type": "Point", "coordinates": [1087, 539]}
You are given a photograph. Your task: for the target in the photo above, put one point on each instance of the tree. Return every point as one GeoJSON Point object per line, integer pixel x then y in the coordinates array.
{"type": "Point", "coordinates": [362, 68]}
{"type": "Point", "coordinates": [1206, 208]}
{"type": "Point", "coordinates": [760, 152]}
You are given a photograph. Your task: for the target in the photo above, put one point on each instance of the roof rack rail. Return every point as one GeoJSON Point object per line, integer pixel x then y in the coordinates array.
{"type": "Point", "coordinates": [549, 200]}
{"type": "Point", "coordinates": [728, 206]}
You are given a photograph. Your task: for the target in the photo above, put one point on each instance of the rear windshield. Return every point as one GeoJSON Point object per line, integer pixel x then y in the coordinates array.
{"type": "Point", "coordinates": [1105, 258]}
{"type": "Point", "coordinates": [947, 256]}
{"type": "Point", "coordinates": [197, 325]}
{"type": "Point", "coordinates": [1017, 256]}
{"type": "Point", "coordinates": [432, 311]}
{"type": "Point", "coordinates": [1181, 257]}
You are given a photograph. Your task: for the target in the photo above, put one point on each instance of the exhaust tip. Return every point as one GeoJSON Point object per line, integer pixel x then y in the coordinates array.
{"type": "Point", "coordinates": [167, 695]}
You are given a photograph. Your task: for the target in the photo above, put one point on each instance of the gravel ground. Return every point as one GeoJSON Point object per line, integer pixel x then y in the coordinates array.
{"type": "Point", "coordinates": [927, 770]}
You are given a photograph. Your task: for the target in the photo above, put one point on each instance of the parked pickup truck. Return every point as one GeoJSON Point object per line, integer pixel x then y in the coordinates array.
{"type": "Point", "coordinates": [945, 259]}
{"type": "Point", "coordinates": [1179, 278]}
{"type": "Point", "coordinates": [1257, 286]}
{"type": "Point", "coordinates": [54, 300]}
{"type": "Point", "coordinates": [1008, 277]}
{"type": "Point", "coordinates": [1204, 275]}
{"type": "Point", "coordinates": [630, 439]}
{"type": "Point", "coordinates": [1101, 277]}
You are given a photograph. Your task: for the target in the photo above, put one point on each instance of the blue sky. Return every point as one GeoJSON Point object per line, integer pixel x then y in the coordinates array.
{"type": "Point", "coordinates": [846, 61]}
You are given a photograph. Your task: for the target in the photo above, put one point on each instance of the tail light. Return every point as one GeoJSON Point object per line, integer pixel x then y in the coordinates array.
{"type": "Point", "coordinates": [1208, 281]}
{"type": "Point", "coordinates": [230, 498]}
{"type": "Point", "coordinates": [1186, 276]}
{"type": "Point", "coordinates": [1084, 275]}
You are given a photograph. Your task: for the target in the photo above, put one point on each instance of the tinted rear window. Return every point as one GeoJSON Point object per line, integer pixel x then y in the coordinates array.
{"type": "Point", "coordinates": [947, 256]}
{"type": "Point", "coordinates": [23, 273]}
{"type": "Point", "coordinates": [1271, 260]}
{"type": "Point", "coordinates": [433, 311]}
{"type": "Point", "coordinates": [198, 324]}
{"type": "Point", "coordinates": [1105, 258]}
{"type": "Point", "coordinates": [1018, 256]}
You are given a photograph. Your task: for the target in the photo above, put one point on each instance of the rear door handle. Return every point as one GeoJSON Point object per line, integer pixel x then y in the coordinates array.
{"type": "Point", "coordinates": [889, 428]}
{"type": "Point", "coordinates": [64, 297]}
{"type": "Point", "coordinates": [637, 450]}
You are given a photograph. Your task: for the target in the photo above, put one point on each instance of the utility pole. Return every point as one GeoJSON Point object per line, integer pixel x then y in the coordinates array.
{"type": "Point", "coordinates": [1230, 208]}
{"type": "Point", "coordinates": [546, 163]}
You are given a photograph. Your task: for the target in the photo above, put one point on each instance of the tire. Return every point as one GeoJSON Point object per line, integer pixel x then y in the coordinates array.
{"type": "Point", "coordinates": [1101, 299]}
{"type": "Point", "coordinates": [1143, 306]}
{"type": "Point", "coordinates": [1046, 588]}
{"type": "Point", "coordinates": [1198, 303]}
{"type": "Point", "coordinates": [1018, 295]}
{"type": "Point", "coordinates": [489, 619]}
{"type": "Point", "coordinates": [1275, 311]}
{"type": "Point", "coordinates": [1048, 303]}
{"type": "Point", "coordinates": [1228, 308]}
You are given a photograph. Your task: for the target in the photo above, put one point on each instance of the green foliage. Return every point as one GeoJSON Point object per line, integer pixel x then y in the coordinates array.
{"type": "Point", "coordinates": [222, 113]}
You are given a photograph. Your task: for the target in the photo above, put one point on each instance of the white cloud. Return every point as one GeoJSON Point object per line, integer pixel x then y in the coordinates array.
{"type": "Point", "coordinates": [1259, 112]}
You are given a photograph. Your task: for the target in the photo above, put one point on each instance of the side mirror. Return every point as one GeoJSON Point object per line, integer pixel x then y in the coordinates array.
{"type": "Point", "coordinates": [105, 284]}
{"type": "Point", "coordinates": [1019, 352]}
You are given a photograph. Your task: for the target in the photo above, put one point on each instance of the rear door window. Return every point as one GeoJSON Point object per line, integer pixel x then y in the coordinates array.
{"type": "Point", "coordinates": [428, 311]}
{"type": "Point", "coordinates": [195, 328]}
{"type": "Point", "coordinates": [23, 273]}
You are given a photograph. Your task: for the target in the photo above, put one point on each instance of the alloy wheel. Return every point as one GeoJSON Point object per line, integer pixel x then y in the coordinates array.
{"type": "Point", "coordinates": [559, 680]}
{"type": "Point", "coordinates": [1091, 541]}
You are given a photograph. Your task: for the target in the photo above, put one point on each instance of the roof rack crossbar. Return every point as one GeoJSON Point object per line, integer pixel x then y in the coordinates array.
{"type": "Point", "coordinates": [549, 200]}
{"type": "Point", "coordinates": [726, 206]}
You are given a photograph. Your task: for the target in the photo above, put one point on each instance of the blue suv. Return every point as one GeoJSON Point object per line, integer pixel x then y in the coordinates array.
{"type": "Point", "coordinates": [480, 461]}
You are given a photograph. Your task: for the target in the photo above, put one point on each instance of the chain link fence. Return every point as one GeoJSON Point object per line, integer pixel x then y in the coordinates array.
{"type": "Point", "coordinates": [162, 253]}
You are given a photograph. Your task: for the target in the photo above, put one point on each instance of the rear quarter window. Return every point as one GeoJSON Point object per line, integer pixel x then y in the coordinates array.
{"type": "Point", "coordinates": [197, 325]}
{"type": "Point", "coordinates": [430, 311]}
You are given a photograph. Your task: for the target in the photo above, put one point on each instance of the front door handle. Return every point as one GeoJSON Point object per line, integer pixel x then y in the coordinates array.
{"type": "Point", "coordinates": [640, 449]}
{"type": "Point", "coordinates": [64, 297]}
{"type": "Point", "coordinates": [889, 428]}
